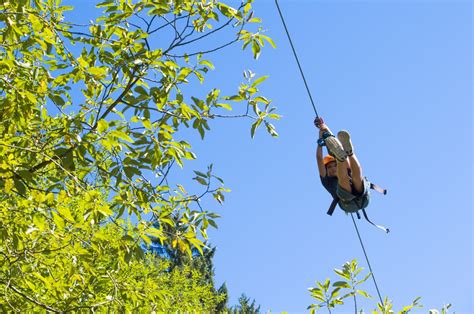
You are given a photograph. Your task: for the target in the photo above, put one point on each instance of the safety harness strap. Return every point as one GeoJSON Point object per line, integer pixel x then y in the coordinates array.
{"type": "Point", "coordinates": [375, 187]}
{"type": "Point", "coordinates": [332, 207]}
{"type": "Point", "coordinates": [378, 226]}
{"type": "Point", "coordinates": [378, 188]}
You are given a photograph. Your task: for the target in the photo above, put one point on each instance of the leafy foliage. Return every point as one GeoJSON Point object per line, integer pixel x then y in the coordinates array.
{"type": "Point", "coordinates": [61, 257]}
{"type": "Point", "coordinates": [329, 296]}
{"type": "Point", "coordinates": [91, 121]}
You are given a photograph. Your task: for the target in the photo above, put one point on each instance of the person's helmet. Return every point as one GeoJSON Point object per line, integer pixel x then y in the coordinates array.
{"type": "Point", "coordinates": [328, 159]}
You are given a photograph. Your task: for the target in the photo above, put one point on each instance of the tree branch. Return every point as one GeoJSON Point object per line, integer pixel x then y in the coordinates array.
{"type": "Point", "coordinates": [168, 23]}
{"type": "Point", "coordinates": [205, 35]}
{"type": "Point", "coordinates": [46, 307]}
{"type": "Point", "coordinates": [200, 52]}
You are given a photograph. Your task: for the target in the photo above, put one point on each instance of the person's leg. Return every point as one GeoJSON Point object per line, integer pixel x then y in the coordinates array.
{"type": "Point", "coordinates": [343, 177]}
{"type": "Point", "coordinates": [356, 170]}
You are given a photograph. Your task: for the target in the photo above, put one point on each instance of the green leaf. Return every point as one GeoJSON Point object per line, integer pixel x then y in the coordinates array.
{"type": "Point", "coordinates": [184, 73]}
{"type": "Point", "coordinates": [271, 129]}
{"type": "Point", "coordinates": [131, 171]}
{"type": "Point", "coordinates": [201, 180]}
{"type": "Point", "coordinates": [254, 127]}
{"type": "Point", "coordinates": [141, 90]}
{"type": "Point", "coordinates": [146, 239]}
{"type": "Point", "coordinates": [335, 293]}
{"type": "Point", "coordinates": [364, 294]}
{"type": "Point", "coordinates": [200, 174]}
{"type": "Point", "coordinates": [317, 294]}
{"type": "Point", "coordinates": [207, 63]}
{"type": "Point", "coordinates": [39, 221]}
{"type": "Point", "coordinates": [342, 274]}
{"type": "Point", "coordinates": [259, 80]}
{"type": "Point", "coordinates": [407, 308]}
{"type": "Point", "coordinates": [122, 135]}
{"type": "Point", "coordinates": [154, 232]}
{"type": "Point", "coordinates": [26, 175]}
{"type": "Point", "coordinates": [43, 279]}
{"type": "Point", "coordinates": [58, 221]}
{"type": "Point", "coordinates": [147, 124]}
{"type": "Point", "coordinates": [99, 72]}
{"type": "Point", "coordinates": [269, 40]}
{"type": "Point", "coordinates": [341, 284]}
{"type": "Point", "coordinates": [57, 100]}
{"type": "Point", "coordinates": [102, 126]}
{"type": "Point", "coordinates": [262, 99]}
{"type": "Point", "coordinates": [201, 131]}
{"type": "Point", "coordinates": [105, 210]}
{"type": "Point", "coordinates": [65, 212]}
{"type": "Point", "coordinates": [255, 20]}
{"type": "Point", "coordinates": [212, 223]}
{"type": "Point", "coordinates": [256, 49]}
{"type": "Point", "coordinates": [68, 161]}
{"type": "Point", "coordinates": [225, 106]}
{"type": "Point", "coordinates": [326, 284]}
{"type": "Point", "coordinates": [197, 244]}
{"type": "Point", "coordinates": [234, 98]}
{"type": "Point", "coordinates": [19, 186]}
{"type": "Point", "coordinates": [106, 3]}
{"type": "Point", "coordinates": [227, 10]}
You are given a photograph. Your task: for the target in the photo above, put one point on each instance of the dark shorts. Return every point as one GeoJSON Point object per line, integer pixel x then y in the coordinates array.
{"type": "Point", "coordinates": [352, 203]}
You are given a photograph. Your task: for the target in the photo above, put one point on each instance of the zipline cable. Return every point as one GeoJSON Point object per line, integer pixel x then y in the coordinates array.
{"type": "Point", "coordinates": [296, 57]}
{"type": "Point", "coordinates": [367, 259]}
{"type": "Point", "coordinates": [316, 112]}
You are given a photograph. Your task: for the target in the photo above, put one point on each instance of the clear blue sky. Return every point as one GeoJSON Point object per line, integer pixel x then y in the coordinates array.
{"type": "Point", "coordinates": [398, 76]}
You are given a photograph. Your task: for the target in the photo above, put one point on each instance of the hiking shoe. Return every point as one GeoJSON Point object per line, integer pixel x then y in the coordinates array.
{"type": "Point", "coordinates": [335, 148]}
{"type": "Point", "coordinates": [345, 139]}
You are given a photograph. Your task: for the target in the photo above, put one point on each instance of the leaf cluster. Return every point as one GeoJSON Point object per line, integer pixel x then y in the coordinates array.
{"type": "Point", "coordinates": [332, 295]}
{"type": "Point", "coordinates": [91, 131]}
{"type": "Point", "coordinates": [60, 255]}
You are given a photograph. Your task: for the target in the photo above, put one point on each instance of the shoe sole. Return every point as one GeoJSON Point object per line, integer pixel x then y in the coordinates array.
{"type": "Point", "coordinates": [345, 139]}
{"type": "Point", "coordinates": [335, 148]}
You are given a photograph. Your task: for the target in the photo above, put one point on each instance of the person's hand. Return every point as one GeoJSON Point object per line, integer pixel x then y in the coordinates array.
{"type": "Point", "coordinates": [318, 122]}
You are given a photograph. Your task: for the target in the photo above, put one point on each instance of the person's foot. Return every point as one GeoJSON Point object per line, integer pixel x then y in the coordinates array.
{"type": "Point", "coordinates": [335, 148]}
{"type": "Point", "coordinates": [345, 139]}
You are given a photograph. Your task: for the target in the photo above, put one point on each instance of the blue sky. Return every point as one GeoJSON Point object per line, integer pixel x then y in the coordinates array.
{"type": "Point", "coordinates": [398, 76]}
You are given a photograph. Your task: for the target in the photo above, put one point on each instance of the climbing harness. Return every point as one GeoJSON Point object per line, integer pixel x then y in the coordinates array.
{"type": "Point", "coordinates": [321, 142]}
{"type": "Point", "coordinates": [374, 187]}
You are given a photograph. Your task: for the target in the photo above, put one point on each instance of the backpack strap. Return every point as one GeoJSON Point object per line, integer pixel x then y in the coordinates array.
{"type": "Point", "coordinates": [332, 207]}
{"type": "Point", "coordinates": [378, 226]}
{"type": "Point", "coordinates": [378, 188]}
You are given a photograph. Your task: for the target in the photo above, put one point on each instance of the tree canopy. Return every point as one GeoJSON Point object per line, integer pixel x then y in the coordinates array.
{"type": "Point", "coordinates": [90, 122]}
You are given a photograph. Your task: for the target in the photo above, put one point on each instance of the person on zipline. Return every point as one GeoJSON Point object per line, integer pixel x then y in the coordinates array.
{"type": "Point", "coordinates": [340, 171]}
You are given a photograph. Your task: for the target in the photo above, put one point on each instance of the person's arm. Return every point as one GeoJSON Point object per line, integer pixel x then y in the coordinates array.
{"type": "Point", "coordinates": [319, 150]}
{"type": "Point", "coordinates": [319, 159]}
